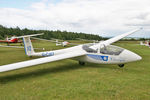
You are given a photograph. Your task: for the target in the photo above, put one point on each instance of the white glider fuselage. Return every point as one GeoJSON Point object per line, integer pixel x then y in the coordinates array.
{"type": "Point", "coordinates": [103, 56]}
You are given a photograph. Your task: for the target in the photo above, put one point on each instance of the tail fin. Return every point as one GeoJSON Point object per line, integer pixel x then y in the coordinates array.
{"type": "Point", "coordinates": [28, 46]}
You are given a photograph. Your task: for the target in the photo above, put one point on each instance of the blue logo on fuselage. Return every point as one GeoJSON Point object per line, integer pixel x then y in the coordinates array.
{"type": "Point", "coordinates": [98, 57]}
{"type": "Point", "coordinates": [47, 53]}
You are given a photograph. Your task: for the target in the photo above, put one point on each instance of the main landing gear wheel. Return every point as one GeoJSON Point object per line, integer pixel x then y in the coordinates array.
{"type": "Point", "coordinates": [121, 65]}
{"type": "Point", "coordinates": [82, 63]}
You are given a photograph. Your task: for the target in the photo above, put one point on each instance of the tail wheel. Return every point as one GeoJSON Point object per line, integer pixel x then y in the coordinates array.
{"type": "Point", "coordinates": [81, 63]}
{"type": "Point", "coordinates": [121, 65]}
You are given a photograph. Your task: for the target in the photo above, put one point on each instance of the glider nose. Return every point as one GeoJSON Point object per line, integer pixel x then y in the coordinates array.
{"type": "Point", "coordinates": [138, 57]}
{"type": "Point", "coordinates": [131, 56]}
{"type": "Point", "coordinates": [135, 57]}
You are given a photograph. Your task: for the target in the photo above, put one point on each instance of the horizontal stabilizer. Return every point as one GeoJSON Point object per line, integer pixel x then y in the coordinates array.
{"type": "Point", "coordinates": [29, 35]}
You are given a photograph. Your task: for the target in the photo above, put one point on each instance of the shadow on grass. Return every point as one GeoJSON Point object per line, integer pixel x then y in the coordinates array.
{"type": "Point", "coordinates": [40, 72]}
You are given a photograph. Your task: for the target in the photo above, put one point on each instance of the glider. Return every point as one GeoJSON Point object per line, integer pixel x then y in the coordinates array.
{"type": "Point", "coordinates": [101, 53]}
{"type": "Point", "coordinates": [145, 43]}
{"type": "Point", "coordinates": [58, 43]}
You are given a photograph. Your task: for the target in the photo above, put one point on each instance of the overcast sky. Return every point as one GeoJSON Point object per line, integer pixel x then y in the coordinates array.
{"type": "Point", "coordinates": [103, 17]}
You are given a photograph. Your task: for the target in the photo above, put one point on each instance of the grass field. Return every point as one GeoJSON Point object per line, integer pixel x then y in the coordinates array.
{"type": "Point", "coordinates": [66, 80]}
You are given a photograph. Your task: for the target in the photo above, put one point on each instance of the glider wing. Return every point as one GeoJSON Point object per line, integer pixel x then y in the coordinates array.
{"type": "Point", "coordinates": [41, 61]}
{"type": "Point", "coordinates": [114, 39]}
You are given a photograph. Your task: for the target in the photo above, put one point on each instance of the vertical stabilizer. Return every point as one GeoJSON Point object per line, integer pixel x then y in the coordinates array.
{"type": "Point", "coordinates": [28, 46]}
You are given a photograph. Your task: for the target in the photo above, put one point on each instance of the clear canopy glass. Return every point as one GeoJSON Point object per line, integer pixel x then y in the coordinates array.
{"type": "Point", "coordinates": [110, 49]}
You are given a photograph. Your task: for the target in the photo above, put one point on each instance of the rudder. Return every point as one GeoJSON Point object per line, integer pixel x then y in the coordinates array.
{"type": "Point", "coordinates": [28, 46]}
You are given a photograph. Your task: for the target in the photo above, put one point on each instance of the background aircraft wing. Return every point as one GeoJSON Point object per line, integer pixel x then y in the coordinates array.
{"type": "Point", "coordinates": [41, 61]}
{"type": "Point", "coordinates": [114, 39]}
{"type": "Point", "coordinates": [43, 39]}
{"type": "Point", "coordinates": [20, 47]}
{"type": "Point", "coordinates": [11, 46]}
{"type": "Point", "coordinates": [5, 41]}
{"type": "Point", "coordinates": [73, 44]}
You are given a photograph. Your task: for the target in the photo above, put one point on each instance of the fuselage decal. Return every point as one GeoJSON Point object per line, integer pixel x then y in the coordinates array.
{"type": "Point", "coordinates": [98, 57]}
{"type": "Point", "coordinates": [47, 53]}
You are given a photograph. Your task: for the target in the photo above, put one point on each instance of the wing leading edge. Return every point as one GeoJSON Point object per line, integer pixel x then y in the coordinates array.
{"type": "Point", "coordinates": [38, 61]}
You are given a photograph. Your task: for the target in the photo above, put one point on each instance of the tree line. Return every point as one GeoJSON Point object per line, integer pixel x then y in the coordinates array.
{"type": "Point", "coordinates": [48, 34]}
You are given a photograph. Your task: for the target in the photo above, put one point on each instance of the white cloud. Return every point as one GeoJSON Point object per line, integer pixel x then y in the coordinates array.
{"type": "Point", "coordinates": [91, 16]}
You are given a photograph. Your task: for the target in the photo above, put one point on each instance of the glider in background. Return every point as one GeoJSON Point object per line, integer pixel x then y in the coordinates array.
{"type": "Point", "coordinates": [101, 53]}
{"type": "Point", "coordinates": [58, 43]}
{"type": "Point", "coordinates": [145, 43]}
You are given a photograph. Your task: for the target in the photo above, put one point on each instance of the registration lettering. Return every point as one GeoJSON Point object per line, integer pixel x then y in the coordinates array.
{"type": "Point", "coordinates": [47, 53]}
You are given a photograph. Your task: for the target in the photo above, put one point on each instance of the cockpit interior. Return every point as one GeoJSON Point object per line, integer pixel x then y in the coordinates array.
{"type": "Point", "coordinates": [109, 50]}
